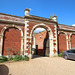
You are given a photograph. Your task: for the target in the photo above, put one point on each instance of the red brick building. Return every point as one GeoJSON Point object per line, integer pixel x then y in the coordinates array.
{"type": "Point", "coordinates": [16, 34]}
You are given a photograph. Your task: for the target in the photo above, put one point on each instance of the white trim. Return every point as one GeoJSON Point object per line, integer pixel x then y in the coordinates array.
{"type": "Point", "coordinates": [27, 28]}
{"type": "Point", "coordinates": [4, 20]}
{"type": "Point", "coordinates": [56, 46]}
{"type": "Point", "coordinates": [27, 33]}
{"type": "Point", "coordinates": [25, 37]}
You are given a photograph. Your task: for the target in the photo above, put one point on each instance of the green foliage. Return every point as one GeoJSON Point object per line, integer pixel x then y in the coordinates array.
{"type": "Point", "coordinates": [3, 58]}
{"type": "Point", "coordinates": [1, 61]}
{"type": "Point", "coordinates": [61, 54]}
{"type": "Point", "coordinates": [10, 59]}
{"type": "Point", "coordinates": [17, 58]}
{"type": "Point", "coordinates": [26, 58]}
{"type": "Point", "coordinates": [50, 17]}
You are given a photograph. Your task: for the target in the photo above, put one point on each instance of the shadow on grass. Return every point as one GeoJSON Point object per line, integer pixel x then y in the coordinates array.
{"type": "Point", "coordinates": [4, 70]}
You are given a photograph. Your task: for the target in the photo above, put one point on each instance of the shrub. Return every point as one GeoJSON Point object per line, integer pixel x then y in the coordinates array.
{"type": "Point", "coordinates": [1, 61]}
{"type": "Point", "coordinates": [61, 54]}
{"type": "Point", "coordinates": [10, 59]}
{"type": "Point", "coordinates": [26, 58]}
{"type": "Point", "coordinates": [17, 58]}
{"type": "Point", "coordinates": [3, 58]}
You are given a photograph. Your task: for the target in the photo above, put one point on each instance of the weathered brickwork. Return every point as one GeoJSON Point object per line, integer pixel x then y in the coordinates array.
{"type": "Point", "coordinates": [10, 35]}
{"type": "Point", "coordinates": [11, 40]}
{"type": "Point", "coordinates": [30, 27]}
{"type": "Point", "coordinates": [68, 31]}
{"type": "Point", "coordinates": [73, 41]}
{"type": "Point", "coordinates": [17, 33]}
{"type": "Point", "coordinates": [62, 42]}
{"type": "Point", "coordinates": [40, 40]}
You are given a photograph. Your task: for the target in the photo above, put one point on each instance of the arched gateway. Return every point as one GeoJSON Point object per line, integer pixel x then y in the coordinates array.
{"type": "Point", "coordinates": [33, 22]}
{"type": "Point", "coordinates": [48, 29]}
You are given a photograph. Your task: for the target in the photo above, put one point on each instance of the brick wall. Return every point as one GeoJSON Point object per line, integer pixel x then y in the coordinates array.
{"type": "Point", "coordinates": [73, 41]}
{"type": "Point", "coordinates": [39, 40]}
{"type": "Point", "coordinates": [12, 36]}
{"type": "Point", "coordinates": [11, 39]}
{"type": "Point", "coordinates": [62, 44]}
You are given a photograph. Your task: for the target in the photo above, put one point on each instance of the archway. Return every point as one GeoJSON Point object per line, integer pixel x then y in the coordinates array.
{"type": "Point", "coordinates": [12, 40]}
{"type": "Point", "coordinates": [62, 44]}
{"type": "Point", "coordinates": [50, 37]}
{"type": "Point", "coordinates": [73, 41]}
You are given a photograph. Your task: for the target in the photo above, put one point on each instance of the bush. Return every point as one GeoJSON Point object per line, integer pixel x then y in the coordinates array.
{"type": "Point", "coordinates": [1, 61]}
{"type": "Point", "coordinates": [60, 55]}
{"type": "Point", "coordinates": [3, 58]}
{"type": "Point", "coordinates": [10, 59]}
{"type": "Point", "coordinates": [26, 58]}
{"type": "Point", "coordinates": [17, 58]}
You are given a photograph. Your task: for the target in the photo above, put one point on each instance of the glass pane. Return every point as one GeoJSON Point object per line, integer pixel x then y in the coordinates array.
{"type": "Point", "coordinates": [69, 51]}
{"type": "Point", "coordinates": [73, 51]}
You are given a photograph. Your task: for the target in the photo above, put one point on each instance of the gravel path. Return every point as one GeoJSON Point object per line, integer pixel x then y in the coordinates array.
{"type": "Point", "coordinates": [39, 66]}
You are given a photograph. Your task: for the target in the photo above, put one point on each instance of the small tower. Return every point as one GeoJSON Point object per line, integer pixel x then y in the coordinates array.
{"type": "Point", "coordinates": [26, 12]}
{"type": "Point", "coordinates": [54, 17]}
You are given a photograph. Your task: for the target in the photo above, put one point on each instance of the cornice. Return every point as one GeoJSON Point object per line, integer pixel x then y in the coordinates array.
{"type": "Point", "coordinates": [31, 17]}
{"type": "Point", "coordinates": [69, 30]}
{"type": "Point", "coordinates": [4, 21]}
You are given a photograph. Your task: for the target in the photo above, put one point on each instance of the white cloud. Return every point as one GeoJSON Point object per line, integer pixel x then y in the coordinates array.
{"type": "Point", "coordinates": [39, 30]}
{"type": "Point", "coordinates": [73, 25]}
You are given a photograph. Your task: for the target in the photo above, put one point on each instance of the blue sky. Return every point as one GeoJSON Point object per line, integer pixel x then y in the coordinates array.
{"type": "Point", "coordinates": [63, 9]}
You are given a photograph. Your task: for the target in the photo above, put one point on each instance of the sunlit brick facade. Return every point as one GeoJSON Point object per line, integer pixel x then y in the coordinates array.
{"type": "Point", "coordinates": [16, 33]}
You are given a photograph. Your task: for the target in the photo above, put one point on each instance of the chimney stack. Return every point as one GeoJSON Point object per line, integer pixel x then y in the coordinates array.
{"type": "Point", "coordinates": [26, 12]}
{"type": "Point", "coordinates": [54, 17]}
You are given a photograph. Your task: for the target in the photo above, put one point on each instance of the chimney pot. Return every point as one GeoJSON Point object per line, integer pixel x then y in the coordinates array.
{"type": "Point", "coordinates": [54, 17]}
{"type": "Point", "coordinates": [26, 12]}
